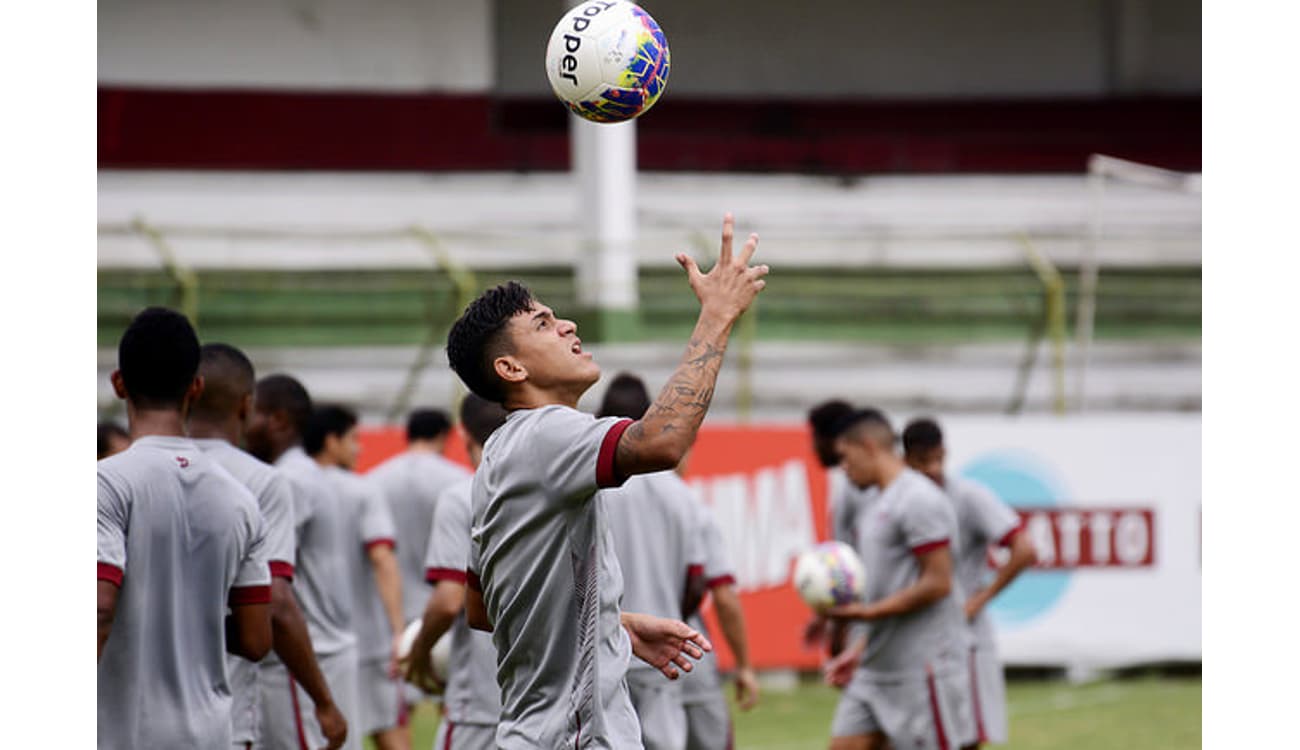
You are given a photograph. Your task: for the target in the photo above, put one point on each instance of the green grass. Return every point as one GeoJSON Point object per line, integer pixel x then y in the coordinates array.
{"type": "Point", "coordinates": [1134, 714]}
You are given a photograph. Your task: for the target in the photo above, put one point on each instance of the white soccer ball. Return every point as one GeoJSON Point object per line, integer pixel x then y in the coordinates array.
{"type": "Point", "coordinates": [440, 655]}
{"type": "Point", "coordinates": [829, 574]}
{"type": "Point", "coordinates": [607, 60]}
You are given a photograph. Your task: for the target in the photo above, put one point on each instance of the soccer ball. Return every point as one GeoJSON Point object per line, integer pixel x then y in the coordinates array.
{"type": "Point", "coordinates": [829, 574]}
{"type": "Point", "coordinates": [607, 60]}
{"type": "Point", "coordinates": [440, 655]}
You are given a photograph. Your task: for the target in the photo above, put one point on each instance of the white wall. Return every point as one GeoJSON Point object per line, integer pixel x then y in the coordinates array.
{"type": "Point", "coordinates": [397, 45]}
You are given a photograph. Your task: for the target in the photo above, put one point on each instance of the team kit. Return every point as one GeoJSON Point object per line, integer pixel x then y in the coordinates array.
{"type": "Point", "coordinates": [255, 591]}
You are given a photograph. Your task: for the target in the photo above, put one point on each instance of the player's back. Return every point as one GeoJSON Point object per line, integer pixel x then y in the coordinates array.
{"type": "Point", "coordinates": [183, 535]}
{"type": "Point", "coordinates": [321, 580]}
{"type": "Point", "coordinates": [983, 520]}
{"type": "Point", "coordinates": [411, 483]}
{"type": "Point", "coordinates": [369, 523]}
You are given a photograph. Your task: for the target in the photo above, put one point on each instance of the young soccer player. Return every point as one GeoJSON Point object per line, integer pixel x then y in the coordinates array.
{"type": "Point", "coordinates": [541, 572]}
{"type": "Point", "coordinates": [652, 520]}
{"type": "Point", "coordinates": [471, 699]}
{"type": "Point", "coordinates": [982, 521]}
{"type": "Point", "coordinates": [908, 684]}
{"type": "Point", "coordinates": [331, 439]}
{"type": "Point", "coordinates": [281, 409]}
{"type": "Point", "coordinates": [217, 425]}
{"type": "Point", "coordinates": [179, 541]}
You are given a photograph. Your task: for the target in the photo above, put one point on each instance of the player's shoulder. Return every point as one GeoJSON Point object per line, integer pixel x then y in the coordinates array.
{"type": "Point", "coordinates": [919, 490]}
{"type": "Point", "coordinates": [969, 490]}
{"type": "Point", "coordinates": [459, 494]}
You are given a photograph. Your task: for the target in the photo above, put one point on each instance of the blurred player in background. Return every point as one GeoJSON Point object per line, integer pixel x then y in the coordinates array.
{"type": "Point", "coordinates": [216, 424]}
{"type": "Point", "coordinates": [471, 699]}
{"type": "Point", "coordinates": [708, 721]}
{"type": "Point", "coordinates": [910, 680]}
{"type": "Point", "coordinates": [541, 571]}
{"type": "Point", "coordinates": [281, 410]}
{"type": "Point", "coordinates": [652, 521]}
{"type": "Point", "coordinates": [982, 521]}
{"type": "Point", "coordinates": [112, 439]}
{"type": "Point", "coordinates": [376, 584]}
{"type": "Point", "coordinates": [179, 541]}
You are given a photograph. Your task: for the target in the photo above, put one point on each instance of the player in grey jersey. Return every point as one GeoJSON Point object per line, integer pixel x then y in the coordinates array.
{"type": "Point", "coordinates": [652, 520]}
{"type": "Point", "coordinates": [983, 521]}
{"type": "Point", "coordinates": [179, 541]}
{"type": "Point", "coordinates": [217, 426]}
{"type": "Point", "coordinates": [331, 440]}
{"type": "Point", "coordinates": [909, 676]}
{"type": "Point", "coordinates": [281, 408]}
{"type": "Point", "coordinates": [541, 572]}
{"type": "Point", "coordinates": [471, 700]}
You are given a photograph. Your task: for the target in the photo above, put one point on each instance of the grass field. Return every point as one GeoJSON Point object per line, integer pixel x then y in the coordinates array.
{"type": "Point", "coordinates": [1132, 714]}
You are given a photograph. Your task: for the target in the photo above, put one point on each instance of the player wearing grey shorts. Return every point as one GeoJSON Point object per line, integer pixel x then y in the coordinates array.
{"type": "Point", "coordinates": [983, 521]}
{"type": "Point", "coordinates": [541, 572]}
{"type": "Point", "coordinates": [908, 684]}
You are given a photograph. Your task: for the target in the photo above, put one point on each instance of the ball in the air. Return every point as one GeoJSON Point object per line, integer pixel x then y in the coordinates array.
{"type": "Point", "coordinates": [607, 60]}
{"type": "Point", "coordinates": [440, 655]}
{"type": "Point", "coordinates": [829, 574]}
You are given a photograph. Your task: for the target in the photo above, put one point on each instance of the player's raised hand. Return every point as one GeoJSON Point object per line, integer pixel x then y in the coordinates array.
{"type": "Point", "coordinates": [665, 644]}
{"type": "Point", "coordinates": [730, 287]}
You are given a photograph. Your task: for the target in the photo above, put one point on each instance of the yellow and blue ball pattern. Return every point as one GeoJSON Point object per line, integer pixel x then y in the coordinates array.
{"type": "Point", "coordinates": [639, 84]}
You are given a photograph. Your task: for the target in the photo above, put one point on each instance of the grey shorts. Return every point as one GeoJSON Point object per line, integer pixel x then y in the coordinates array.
{"type": "Point", "coordinates": [381, 706]}
{"type": "Point", "coordinates": [288, 714]}
{"type": "Point", "coordinates": [926, 712]}
{"type": "Point", "coordinates": [988, 696]}
{"type": "Point", "coordinates": [708, 724]}
{"type": "Point", "coordinates": [658, 704]}
{"type": "Point", "coordinates": [452, 736]}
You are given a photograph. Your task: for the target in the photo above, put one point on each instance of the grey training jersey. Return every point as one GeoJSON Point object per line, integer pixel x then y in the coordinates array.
{"type": "Point", "coordinates": [324, 536]}
{"type": "Point", "coordinates": [369, 524]}
{"type": "Point", "coordinates": [652, 520]}
{"type": "Point", "coordinates": [911, 516]}
{"type": "Point", "coordinates": [471, 695]}
{"type": "Point", "coordinates": [275, 501]}
{"type": "Point", "coordinates": [982, 521]}
{"type": "Point", "coordinates": [412, 482]}
{"type": "Point", "coordinates": [703, 682]}
{"type": "Point", "coordinates": [541, 554]}
{"type": "Point", "coordinates": [183, 540]}
{"type": "Point", "coordinates": [845, 502]}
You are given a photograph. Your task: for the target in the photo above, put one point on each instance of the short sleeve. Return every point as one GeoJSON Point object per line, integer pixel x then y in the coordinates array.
{"type": "Point", "coordinates": [276, 504]}
{"type": "Point", "coordinates": [575, 452]}
{"type": "Point", "coordinates": [376, 520]}
{"type": "Point", "coordinates": [927, 522]}
{"type": "Point", "coordinates": [996, 521]}
{"type": "Point", "coordinates": [112, 519]}
{"type": "Point", "coordinates": [253, 578]}
{"type": "Point", "coordinates": [718, 570]}
{"type": "Point", "coordinates": [449, 542]}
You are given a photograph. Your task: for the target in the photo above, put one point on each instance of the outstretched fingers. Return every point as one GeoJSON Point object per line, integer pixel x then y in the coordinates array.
{"type": "Point", "coordinates": [747, 251]}
{"type": "Point", "coordinates": [687, 262]}
{"type": "Point", "coordinates": [728, 232]}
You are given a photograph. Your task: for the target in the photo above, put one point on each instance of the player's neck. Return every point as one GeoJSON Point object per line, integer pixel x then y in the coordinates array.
{"type": "Point", "coordinates": [890, 471]}
{"type": "Point", "coordinates": [528, 396]}
{"type": "Point", "coordinates": [161, 422]}
{"type": "Point", "coordinates": [425, 446]}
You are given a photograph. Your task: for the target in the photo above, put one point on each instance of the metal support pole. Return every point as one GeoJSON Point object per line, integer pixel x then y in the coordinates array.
{"type": "Point", "coordinates": [604, 165]}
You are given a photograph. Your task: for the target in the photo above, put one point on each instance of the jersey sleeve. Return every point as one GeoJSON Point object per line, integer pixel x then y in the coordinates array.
{"type": "Point", "coordinates": [449, 542]}
{"type": "Point", "coordinates": [278, 520]}
{"type": "Point", "coordinates": [253, 578]}
{"type": "Point", "coordinates": [111, 523]}
{"type": "Point", "coordinates": [997, 521]}
{"type": "Point", "coordinates": [575, 453]}
{"type": "Point", "coordinates": [927, 522]}
{"type": "Point", "coordinates": [376, 519]}
{"type": "Point", "coordinates": [718, 570]}
{"type": "Point", "coordinates": [473, 562]}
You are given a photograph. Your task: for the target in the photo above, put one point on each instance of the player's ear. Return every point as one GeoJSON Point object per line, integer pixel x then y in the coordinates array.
{"type": "Point", "coordinates": [119, 385]}
{"type": "Point", "coordinates": [510, 369]}
{"type": "Point", "coordinates": [245, 408]}
{"type": "Point", "coordinates": [195, 390]}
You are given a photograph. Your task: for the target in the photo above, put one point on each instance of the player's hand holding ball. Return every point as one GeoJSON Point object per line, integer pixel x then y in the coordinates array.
{"type": "Point", "coordinates": [831, 580]}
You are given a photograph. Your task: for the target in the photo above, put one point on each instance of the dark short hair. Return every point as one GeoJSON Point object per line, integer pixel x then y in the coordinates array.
{"type": "Point", "coordinates": [921, 434]}
{"type": "Point", "coordinates": [825, 417]}
{"type": "Point", "coordinates": [158, 356]}
{"type": "Point", "coordinates": [626, 396]}
{"type": "Point", "coordinates": [481, 417]}
{"type": "Point", "coordinates": [284, 392]}
{"type": "Point", "coordinates": [427, 424]}
{"type": "Point", "coordinates": [327, 420]}
{"type": "Point", "coordinates": [106, 431]}
{"type": "Point", "coordinates": [478, 337]}
{"type": "Point", "coordinates": [863, 422]}
{"type": "Point", "coordinates": [227, 378]}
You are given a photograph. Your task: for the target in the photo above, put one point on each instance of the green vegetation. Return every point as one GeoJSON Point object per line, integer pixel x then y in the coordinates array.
{"type": "Point", "coordinates": [1137, 714]}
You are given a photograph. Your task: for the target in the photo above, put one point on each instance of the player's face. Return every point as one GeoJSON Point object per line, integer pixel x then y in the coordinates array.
{"type": "Point", "coordinates": [550, 350]}
{"type": "Point", "coordinates": [858, 460]}
{"type": "Point", "coordinates": [929, 462]}
{"type": "Point", "coordinates": [349, 449]}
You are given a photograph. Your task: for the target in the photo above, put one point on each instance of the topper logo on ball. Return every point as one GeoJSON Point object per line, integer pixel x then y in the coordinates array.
{"type": "Point", "coordinates": [572, 44]}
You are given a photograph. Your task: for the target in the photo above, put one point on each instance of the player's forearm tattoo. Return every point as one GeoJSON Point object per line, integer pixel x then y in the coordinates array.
{"type": "Point", "coordinates": [682, 404]}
